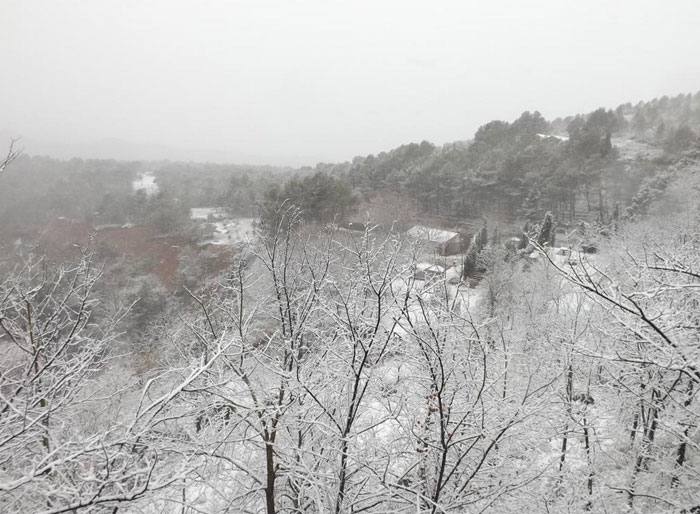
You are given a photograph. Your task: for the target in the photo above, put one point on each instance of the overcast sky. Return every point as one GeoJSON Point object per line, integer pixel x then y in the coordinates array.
{"type": "Point", "coordinates": [295, 82]}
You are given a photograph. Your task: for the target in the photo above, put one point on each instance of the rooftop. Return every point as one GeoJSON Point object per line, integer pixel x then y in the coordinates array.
{"type": "Point", "coordinates": [434, 235]}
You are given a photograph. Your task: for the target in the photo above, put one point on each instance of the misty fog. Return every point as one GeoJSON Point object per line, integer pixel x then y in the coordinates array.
{"type": "Point", "coordinates": [295, 83]}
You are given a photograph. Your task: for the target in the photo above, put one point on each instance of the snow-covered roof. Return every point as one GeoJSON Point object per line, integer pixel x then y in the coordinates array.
{"type": "Point", "coordinates": [434, 235]}
{"type": "Point", "coordinates": [560, 138]}
{"type": "Point", "coordinates": [430, 268]}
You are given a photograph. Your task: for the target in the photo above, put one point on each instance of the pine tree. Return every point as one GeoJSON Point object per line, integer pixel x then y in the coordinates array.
{"type": "Point", "coordinates": [546, 231]}
{"type": "Point", "coordinates": [524, 237]}
{"type": "Point", "coordinates": [471, 258]}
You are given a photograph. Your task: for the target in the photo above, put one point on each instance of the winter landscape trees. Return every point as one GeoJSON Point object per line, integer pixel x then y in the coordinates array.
{"type": "Point", "coordinates": [319, 371]}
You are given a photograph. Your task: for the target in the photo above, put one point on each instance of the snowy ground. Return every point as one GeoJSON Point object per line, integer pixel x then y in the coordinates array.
{"type": "Point", "coordinates": [631, 149]}
{"type": "Point", "coordinates": [233, 231]}
{"type": "Point", "coordinates": [463, 299]}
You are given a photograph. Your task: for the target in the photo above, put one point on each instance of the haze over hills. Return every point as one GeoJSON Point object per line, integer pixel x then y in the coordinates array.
{"type": "Point", "coordinates": [298, 83]}
{"type": "Point", "coordinates": [508, 172]}
{"type": "Point", "coordinates": [119, 149]}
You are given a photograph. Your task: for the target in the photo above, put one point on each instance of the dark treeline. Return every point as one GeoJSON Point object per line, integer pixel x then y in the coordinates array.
{"type": "Point", "coordinates": [101, 191]}
{"type": "Point", "coordinates": [514, 171]}
{"type": "Point", "coordinates": [509, 171]}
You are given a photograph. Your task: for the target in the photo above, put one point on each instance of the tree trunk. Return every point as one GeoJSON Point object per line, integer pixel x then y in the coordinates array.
{"type": "Point", "coordinates": [635, 425]}
{"type": "Point", "coordinates": [565, 437]}
{"type": "Point", "coordinates": [343, 474]}
{"type": "Point", "coordinates": [589, 481]}
{"type": "Point", "coordinates": [683, 446]}
{"type": "Point", "coordinates": [650, 434]}
{"type": "Point", "coordinates": [270, 476]}
{"type": "Point", "coordinates": [649, 424]}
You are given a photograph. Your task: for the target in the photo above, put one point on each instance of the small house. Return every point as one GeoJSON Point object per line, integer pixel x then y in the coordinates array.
{"type": "Point", "coordinates": [428, 272]}
{"type": "Point", "coordinates": [207, 213]}
{"type": "Point", "coordinates": [444, 242]}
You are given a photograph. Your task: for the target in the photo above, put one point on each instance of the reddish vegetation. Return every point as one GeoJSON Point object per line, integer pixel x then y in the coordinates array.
{"type": "Point", "coordinates": [61, 240]}
{"type": "Point", "coordinates": [144, 245]}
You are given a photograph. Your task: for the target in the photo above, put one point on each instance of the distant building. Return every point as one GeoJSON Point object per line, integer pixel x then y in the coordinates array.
{"type": "Point", "coordinates": [207, 213]}
{"type": "Point", "coordinates": [444, 242]}
{"type": "Point", "coordinates": [427, 271]}
{"type": "Point", "coordinates": [146, 182]}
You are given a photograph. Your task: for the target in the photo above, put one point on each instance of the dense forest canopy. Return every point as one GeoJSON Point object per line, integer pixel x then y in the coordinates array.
{"type": "Point", "coordinates": [509, 171]}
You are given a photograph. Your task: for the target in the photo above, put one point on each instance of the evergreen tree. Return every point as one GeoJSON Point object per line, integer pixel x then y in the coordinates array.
{"type": "Point", "coordinates": [469, 264]}
{"type": "Point", "coordinates": [320, 198]}
{"type": "Point", "coordinates": [546, 235]}
{"type": "Point", "coordinates": [483, 237]}
{"type": "Point", "coordinates": [524, 236]}
{"type": "Point", "coordinates": [471, 259]}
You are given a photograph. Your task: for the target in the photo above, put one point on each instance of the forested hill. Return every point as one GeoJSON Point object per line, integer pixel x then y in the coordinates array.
{"type": "Point", "coordinates": [580, 167]}
{"type": "Point", "coordinates": [576, 166]}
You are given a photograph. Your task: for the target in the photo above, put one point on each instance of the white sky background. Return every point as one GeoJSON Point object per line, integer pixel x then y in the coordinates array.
{"type": "Point", "coordinates": [295, 82]}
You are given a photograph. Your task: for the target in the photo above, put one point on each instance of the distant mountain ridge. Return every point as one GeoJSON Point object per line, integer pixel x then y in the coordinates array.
{"type": "Point", "coordinates": [124, 150]}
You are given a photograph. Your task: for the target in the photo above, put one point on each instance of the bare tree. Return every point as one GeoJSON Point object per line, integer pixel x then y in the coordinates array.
{"type": "Point", "coordinates": [647, 296]}
{"type": "Point", "coordinates": [12, 154]}
{"type": "Point", "coordinates": [68, 440]}
{"type": "Point", "coordinates": [54, 347]}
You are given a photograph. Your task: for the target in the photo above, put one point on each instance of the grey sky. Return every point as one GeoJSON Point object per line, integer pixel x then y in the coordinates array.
{"type": "Point", "coordinates": [295, 82]}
